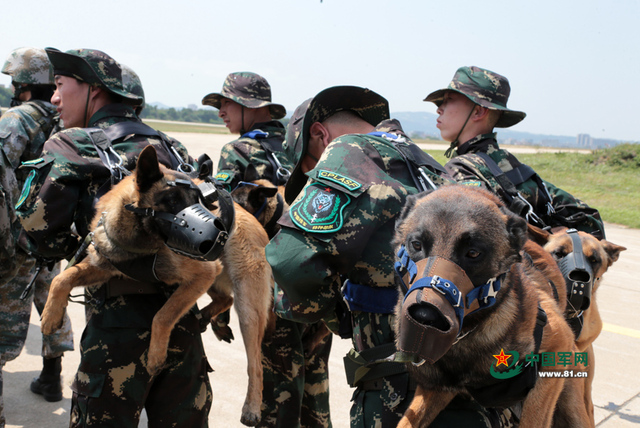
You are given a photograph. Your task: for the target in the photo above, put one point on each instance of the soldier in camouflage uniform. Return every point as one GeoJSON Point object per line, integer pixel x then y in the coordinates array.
{"type": "Point", "coordinates": [335, 243]}
{"type": "Point", "coordinates": [295, 378]}
{"type": "Point", "coordinates": [244, 103]}
{"type": "Point", "coordinates": [23, 130]}
{"type": "Point", "coordinates": [469, 108]}
{"type": "Point", "coordinates": [112, 384]}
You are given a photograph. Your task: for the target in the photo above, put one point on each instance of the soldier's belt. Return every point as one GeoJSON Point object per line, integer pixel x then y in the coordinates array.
{"type": "Point", "coordinates": [120, 286]}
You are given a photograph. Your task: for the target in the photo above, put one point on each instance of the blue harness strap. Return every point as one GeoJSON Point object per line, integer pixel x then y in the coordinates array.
{"type": "Point", "coordinates": [364, 298]}
{"type": "Point", "coordinates": [255, 134]}
{"type": "Point", "coordinates": [445, 287]}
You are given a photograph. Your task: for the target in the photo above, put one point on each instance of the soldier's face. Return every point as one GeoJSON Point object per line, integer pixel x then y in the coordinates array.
{"type": "Point", "coordinates": [70, 98]}
{"type": "Point", "coordinates": [452, 114]}
{"type": "Point", "coordinates": [231, 113]}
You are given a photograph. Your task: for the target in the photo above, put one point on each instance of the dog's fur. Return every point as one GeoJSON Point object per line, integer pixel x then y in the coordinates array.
{"type": "Point", "coordinates": [601, 254]}
{"type": "Point", "coordinates": [241, 271]}
{"type": "Point", "coordinates": [473, 229]}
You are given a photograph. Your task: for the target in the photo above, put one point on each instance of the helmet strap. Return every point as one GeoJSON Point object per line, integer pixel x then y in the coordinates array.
{"type": "Point", "coordinates": [455, 142]}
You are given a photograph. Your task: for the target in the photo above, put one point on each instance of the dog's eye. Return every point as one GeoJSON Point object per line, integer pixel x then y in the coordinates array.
{"type": "Point", "coordinates": [472, 254]}
{"type": "Point", "coordinates": [594, 260]}
{"type": "Point", "coordinates": [559, 254]}
{"type": "Point", "coordinates": [416, 245]}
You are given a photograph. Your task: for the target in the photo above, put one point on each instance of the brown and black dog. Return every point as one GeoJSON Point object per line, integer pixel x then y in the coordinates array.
{"type": "Point", "coordinates": [120, 234]}
{"type": "Point", "coordinates": [466, 237]}
{"type": "Point", "coordinates": [600, 254]}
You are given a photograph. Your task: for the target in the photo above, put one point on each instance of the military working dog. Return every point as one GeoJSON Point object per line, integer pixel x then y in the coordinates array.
{"type": "Point", "coordinates": [477, 299]}
{"type": "Point", "coordinates": [127, 224]}
{"type": "Point", "coordinates": [600, 255]}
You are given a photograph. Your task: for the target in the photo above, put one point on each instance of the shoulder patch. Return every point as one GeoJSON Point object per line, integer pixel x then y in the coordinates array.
{"type": "Point", "coordinates": [471, 183]}
{"type": "Point", "coordinates": [223, 176]}
{"type": "Point", "coordinates": [320, 210]}
{"type": "Point", "coordinates": [346, 182]}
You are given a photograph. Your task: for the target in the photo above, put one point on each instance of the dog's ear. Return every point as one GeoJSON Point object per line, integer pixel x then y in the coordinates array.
{"type": "Point", "coordinates": [205, 166]}
{"type": "Point", "coordinates": [612, 250]}
{"type": "Point", "coordinates": [408, 206]}
{"type": "Point", "coordinates": [251, 174]}
{"type": "Point", "coordinates": [147, 169]}
{"type": "Point", "coordinates": [537, 235]}
{"type": "Point", "coordinates": [516, 229]}
{"type": "Point", "coordinates": [258, 195]}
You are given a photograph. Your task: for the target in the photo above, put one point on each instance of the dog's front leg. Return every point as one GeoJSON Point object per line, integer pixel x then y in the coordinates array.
{"type": "Point", "coordinates": [424, 408]}
{"type": "Point", "coordinates": [540, 404]}
{"type": "Point", "coordinates": [81, 275]}
{"type": "Point", "coordinates": [180, 302]}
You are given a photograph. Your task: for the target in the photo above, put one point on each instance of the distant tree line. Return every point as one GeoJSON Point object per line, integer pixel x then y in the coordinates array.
{"type": "Point", "coordinates": [5, 96]}
{"type": "Point", "coordinates": [181, 115]}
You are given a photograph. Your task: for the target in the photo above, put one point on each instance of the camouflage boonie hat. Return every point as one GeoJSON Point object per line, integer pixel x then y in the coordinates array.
{"type": "Point", "coordinates": [93, 67]}
{"type": "Point", "coordinates": [249, 90]}
{"type": "Point", "coordinates": [30, 66]}
{"type": "Point", "coordinates": [131, 82]}
{"type": "Point", "coordinates": [370, 106]}
{"type": "Point", "coordinates": [485, 88]}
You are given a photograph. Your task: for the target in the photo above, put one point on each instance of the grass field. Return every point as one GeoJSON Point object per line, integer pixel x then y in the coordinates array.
{"type": "Point", "coordinates": [608, 179]}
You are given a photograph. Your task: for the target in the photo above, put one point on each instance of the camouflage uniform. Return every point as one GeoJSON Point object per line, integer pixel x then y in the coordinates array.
{"type": "Point", "coordinates": [491, 90]}
{"type": "Point", "coordinates": [23, 131]}
{"type": "Point", "coordinates": [257, 146]}
{"type": "Point", "coordinates": [112, 384]}
{"type": "Point", "coordinates": [340, 227]}
{"type": "Point", "coordinates": [295, 373]}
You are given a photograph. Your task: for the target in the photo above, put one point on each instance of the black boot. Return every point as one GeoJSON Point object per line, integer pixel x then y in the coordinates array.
{"type": "Point", "coordinates": [48, 383]}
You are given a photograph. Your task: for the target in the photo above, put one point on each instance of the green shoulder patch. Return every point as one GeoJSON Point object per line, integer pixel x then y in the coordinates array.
{"type": "Point", "coordinates": [223, 176]}
{"type": "Point", "coordinates": [320, 210]}
{"type": "Point", "coordinates": [471, 183]}
{"type": "Point", "coordinates": [346, 182]}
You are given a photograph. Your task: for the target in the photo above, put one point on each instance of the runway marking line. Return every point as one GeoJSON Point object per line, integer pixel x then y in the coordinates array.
{"type": "Point", "coordinates": [612, 328]}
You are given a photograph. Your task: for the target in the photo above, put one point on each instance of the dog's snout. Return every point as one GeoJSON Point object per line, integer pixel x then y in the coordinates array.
{"type": "Point", "coordinates": [429, 315]}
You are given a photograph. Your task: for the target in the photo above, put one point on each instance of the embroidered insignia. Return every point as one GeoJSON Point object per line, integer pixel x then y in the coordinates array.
{"type": "Point", "coordinates": [345, 182]}
{"type": "Point", "coordinates": [320, 210]}
{"type": "Point", "coordinates": [223, 176]}
{"type": "Point", "coordinates": [471, 183]}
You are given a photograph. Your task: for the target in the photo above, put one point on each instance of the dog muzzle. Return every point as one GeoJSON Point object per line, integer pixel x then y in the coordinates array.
{"type": "Point", "coordinates": [195, 232]}
{"type": "Point", "coordinates": [438, 295]}
{"type": "Point", "coordinates": [578, 275]}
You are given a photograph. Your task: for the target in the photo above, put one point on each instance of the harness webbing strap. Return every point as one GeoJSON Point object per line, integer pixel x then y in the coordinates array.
{"type": "Point", "coordinates": [271, 144]}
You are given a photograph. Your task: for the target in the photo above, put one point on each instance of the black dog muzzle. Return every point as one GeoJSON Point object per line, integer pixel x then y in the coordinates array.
{"type": "Point", "coordinates": [194, 231]}
{"type": "Point", "coordinates": [578, 275]}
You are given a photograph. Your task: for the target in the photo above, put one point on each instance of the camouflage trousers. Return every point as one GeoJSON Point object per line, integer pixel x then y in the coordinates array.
{"type": "Point", "coordinates": [112, 384]}
{"type": "Point", "coordinates": [16, 313]}
{"type": "Point", "coordinates": [296, 376]}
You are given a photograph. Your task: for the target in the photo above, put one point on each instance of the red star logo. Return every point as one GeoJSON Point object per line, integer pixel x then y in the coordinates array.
{"type": "Point", "coordinates": [327, 189]}
{"type": "Point", "coordinates": [502, 358]}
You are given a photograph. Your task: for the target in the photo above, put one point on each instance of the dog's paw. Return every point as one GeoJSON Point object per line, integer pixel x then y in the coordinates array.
{"type": "Point", "coordinates": [249, 418]}
{"type": "Point", "coordinates": [155, 362]}
{"type": "Point", "coordinates": [51, 321]}
{"type": "Point", "coordinates": [222, 332]}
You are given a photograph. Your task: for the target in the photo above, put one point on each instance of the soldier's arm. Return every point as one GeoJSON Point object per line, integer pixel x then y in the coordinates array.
{"type": "Point", "coordinates": [48, 202]}
{"type": "Point", "coordinates": [14, 138]}
{"type": "Point", "coordinates": [465, 171]}
{"type": "Point", "coordinates": [574, 212]}
{"type": "Point", "coordinates": [8, 265]}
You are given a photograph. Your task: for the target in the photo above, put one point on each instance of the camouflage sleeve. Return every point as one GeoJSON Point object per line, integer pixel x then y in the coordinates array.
{"type": "Point", "coordinates": [14, 138]}
{"type": "Point", "coordinates": [468, 170]}
{"type": "Point", "coordinates": [8, 188]}
{"type": "Point", "coordinates": [574, 213]}
{"type": "Point", "coordinates": [338, 227]}
{"type": "Point", "coordinates": [50, 198]}
{"type": "Point", "coordinates": [236, 156]}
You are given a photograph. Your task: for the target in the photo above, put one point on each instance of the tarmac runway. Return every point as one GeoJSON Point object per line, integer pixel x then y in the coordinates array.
{"type": "Point", "coordinates": [616, 389]}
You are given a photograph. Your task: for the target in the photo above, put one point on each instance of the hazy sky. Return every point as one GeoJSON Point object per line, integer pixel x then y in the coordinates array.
{"type": "Point", "coordinates": [573, 66]}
